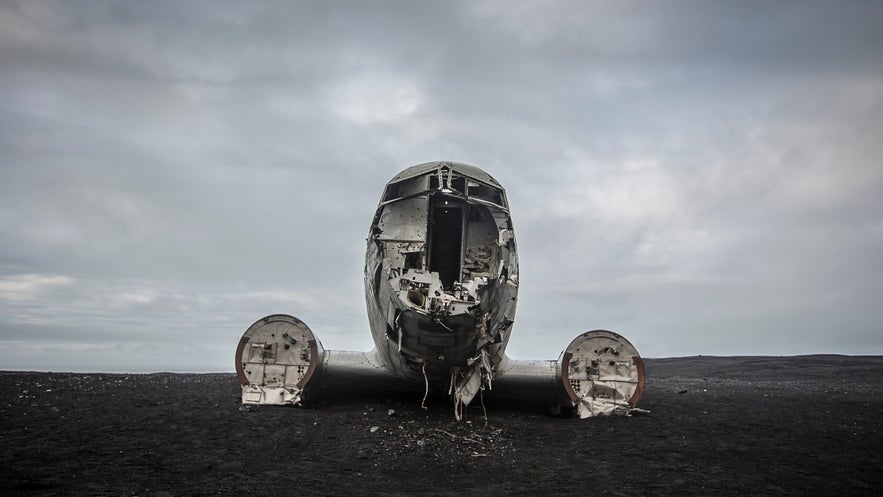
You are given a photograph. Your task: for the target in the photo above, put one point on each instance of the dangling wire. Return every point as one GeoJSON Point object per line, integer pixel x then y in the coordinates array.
{"type": "Point", "coordinates": [458, 408]}
{"type": "Point", "coordinates": [458, 415]}
{"type": "Point", "coordinates": [426, 388]}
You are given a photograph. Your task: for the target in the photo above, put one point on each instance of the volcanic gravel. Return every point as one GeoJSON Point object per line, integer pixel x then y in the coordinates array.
{"type": "Point", "coordinates": [805, 425]}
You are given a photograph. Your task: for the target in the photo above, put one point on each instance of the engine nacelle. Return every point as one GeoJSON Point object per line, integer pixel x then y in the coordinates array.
{"type": "Point", "coordinates": [602, 373]}
{"type": "Point", "coordinates": [275, 360]}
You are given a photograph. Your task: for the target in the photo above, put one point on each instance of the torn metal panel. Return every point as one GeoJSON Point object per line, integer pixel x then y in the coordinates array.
{"type": "Point", "coordinates": [407, 221]}
{"type": "Point", "coordinates": [466, 388]}
{"type": "Point", "coordinates": [267, 395]}
{"type": "Point", "coordinates": [466, 385]}
{"type": "Point", "coordinates": [423, 291]}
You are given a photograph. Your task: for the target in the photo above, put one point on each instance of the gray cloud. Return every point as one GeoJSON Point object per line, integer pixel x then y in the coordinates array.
{"type": "Point", "coordinates": [701, 177]}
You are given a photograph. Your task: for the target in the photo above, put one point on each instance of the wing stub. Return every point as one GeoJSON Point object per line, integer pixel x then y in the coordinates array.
{"type": "Point", "coordinates": [276, 359]}
{"type": "Point", "coordinates": [602, 373]}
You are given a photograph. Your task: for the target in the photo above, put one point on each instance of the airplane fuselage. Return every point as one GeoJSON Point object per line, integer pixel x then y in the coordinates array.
{"type": "Point", "coordinates": [441, 271]}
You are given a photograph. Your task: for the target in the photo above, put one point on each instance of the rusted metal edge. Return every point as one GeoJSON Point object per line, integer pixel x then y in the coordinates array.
{"type": "Point", "coordinates": [240, 370]}
{"type": "Point", "coordinates": [565, 377]}
{"type": "Point", "coordinates": [314, 361]}
{"type": "Point", "coordinates": [639, 363]}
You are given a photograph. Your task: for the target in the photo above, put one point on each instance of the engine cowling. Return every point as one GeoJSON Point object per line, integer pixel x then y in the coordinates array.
{"type": "Point", "coordinates": [276, 358]}
{"type": "Point", "coordinates": [602, 373]}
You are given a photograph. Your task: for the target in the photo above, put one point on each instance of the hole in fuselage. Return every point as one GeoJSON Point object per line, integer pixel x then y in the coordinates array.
{"type": "Point", "coordinates": [447, 238]}
{"type": "Point", "coordinates": [413, 260]}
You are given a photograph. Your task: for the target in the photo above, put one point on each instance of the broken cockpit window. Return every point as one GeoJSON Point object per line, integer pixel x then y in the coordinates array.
{"type": "Point", "coordinates": [485, 192]}
{"type": "Point", "coordinates": [405, 188]}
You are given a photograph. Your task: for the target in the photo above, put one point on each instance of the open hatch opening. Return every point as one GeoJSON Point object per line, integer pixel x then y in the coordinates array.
{"type": "Point", "coordinates": [446, 240]}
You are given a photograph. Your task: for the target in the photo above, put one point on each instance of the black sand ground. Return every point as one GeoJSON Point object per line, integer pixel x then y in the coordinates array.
{"type": "Point", "coordinates": [810, 425]}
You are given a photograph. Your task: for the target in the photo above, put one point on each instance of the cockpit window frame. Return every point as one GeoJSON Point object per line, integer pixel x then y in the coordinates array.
{"type": "Point", "coordinates": [454, 182]}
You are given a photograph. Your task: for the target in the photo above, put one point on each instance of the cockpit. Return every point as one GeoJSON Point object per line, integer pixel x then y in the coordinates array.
{"type": "Point", "coordinates": [446, 232]}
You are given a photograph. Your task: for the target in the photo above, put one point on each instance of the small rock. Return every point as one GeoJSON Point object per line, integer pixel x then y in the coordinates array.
{"type": "Point", "coordinates": [421, 431]}
{"type": "Point", "coordinates": [421, 443]}
{"type": "Point", "coordinates": [245, 408]}
{"type": "Point", "coordinates": [391, 412]}
{"type": "Point", "coordinates": [53, 409]}
{"type": "Point", "coordinates": [374, 428]}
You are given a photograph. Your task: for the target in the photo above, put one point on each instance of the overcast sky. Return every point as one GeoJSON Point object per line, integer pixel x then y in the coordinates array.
{"type": "Point", "coordinates": [702, 177]}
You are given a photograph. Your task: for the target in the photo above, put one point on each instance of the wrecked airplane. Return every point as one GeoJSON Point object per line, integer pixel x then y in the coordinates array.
{"type": "Point", "coordinates": [441, 286]}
